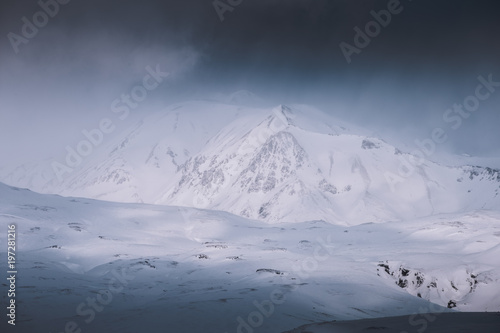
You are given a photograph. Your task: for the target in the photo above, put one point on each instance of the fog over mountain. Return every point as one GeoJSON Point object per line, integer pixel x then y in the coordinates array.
{"type": "Point", "coordinates": [425, 60]}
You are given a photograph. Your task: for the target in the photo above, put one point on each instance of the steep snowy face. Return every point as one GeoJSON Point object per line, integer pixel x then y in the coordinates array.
{"type": "Point", "coordinates": [289, 168]}
{"type": "Point", "coordinates": [279, 161]}
{"type": "Point", "coordinates": [275, 181]}
{"type": "Point", "coordinates": [281, 164]}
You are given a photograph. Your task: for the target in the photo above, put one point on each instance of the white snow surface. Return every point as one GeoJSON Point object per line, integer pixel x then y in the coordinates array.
{"type": "Point", "coordinates": [196, 270]}
{"type": "Point", "coordinates": [287, 163]}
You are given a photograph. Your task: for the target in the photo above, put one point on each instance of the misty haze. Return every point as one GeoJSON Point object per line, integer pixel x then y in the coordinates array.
{"type": "Point", "coordinates": [249, 166]}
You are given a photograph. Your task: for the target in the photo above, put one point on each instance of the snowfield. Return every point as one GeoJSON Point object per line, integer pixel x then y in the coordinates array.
{"type": "Point", "coordinates": [116, 267]}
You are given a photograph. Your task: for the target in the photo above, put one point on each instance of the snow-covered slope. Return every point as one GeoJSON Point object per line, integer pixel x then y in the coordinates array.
{"type": "Point", "coordinates": [280, 164]}
{"type": "Point", "coordinates": [152, 267]}
{"type": "Point", "coordinates": [483, 322]}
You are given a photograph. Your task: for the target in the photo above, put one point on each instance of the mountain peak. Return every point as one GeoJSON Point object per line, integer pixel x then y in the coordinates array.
{"type": "Point", "coordinates": [286, 163]}
{"type": "Point", "coordinates": [284, 113]}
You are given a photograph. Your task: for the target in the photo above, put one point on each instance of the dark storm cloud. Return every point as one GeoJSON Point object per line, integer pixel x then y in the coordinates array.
{"type": "Point", "coordinates": [425, 60]}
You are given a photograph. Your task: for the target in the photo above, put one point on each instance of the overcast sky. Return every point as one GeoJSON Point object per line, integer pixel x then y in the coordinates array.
{"type": "Point", "coordinates": [64, 77]}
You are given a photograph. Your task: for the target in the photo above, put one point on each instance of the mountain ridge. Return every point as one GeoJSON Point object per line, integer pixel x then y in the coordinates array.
{"type": "Point", "coordinates": [287, 163]}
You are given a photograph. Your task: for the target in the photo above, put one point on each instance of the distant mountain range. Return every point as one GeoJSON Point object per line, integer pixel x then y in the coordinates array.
{"type": "Point", "coordinates": [287, 163]}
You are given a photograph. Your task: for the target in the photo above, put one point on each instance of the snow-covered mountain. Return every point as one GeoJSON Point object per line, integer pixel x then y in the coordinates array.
{"type": "Point", "coordinates": [118, 267]}
{"type": "Point", "coordinates": [279, 164]}
{"type": "Point", "coordinates": [188, 244]}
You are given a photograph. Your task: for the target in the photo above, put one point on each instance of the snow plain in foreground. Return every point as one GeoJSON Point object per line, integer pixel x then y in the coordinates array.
{"type": "Point", "coordinates": [146, 268]}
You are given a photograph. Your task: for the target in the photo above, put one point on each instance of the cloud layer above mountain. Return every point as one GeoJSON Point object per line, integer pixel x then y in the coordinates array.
{"type": "Point", "coordinates": [420, 62]}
